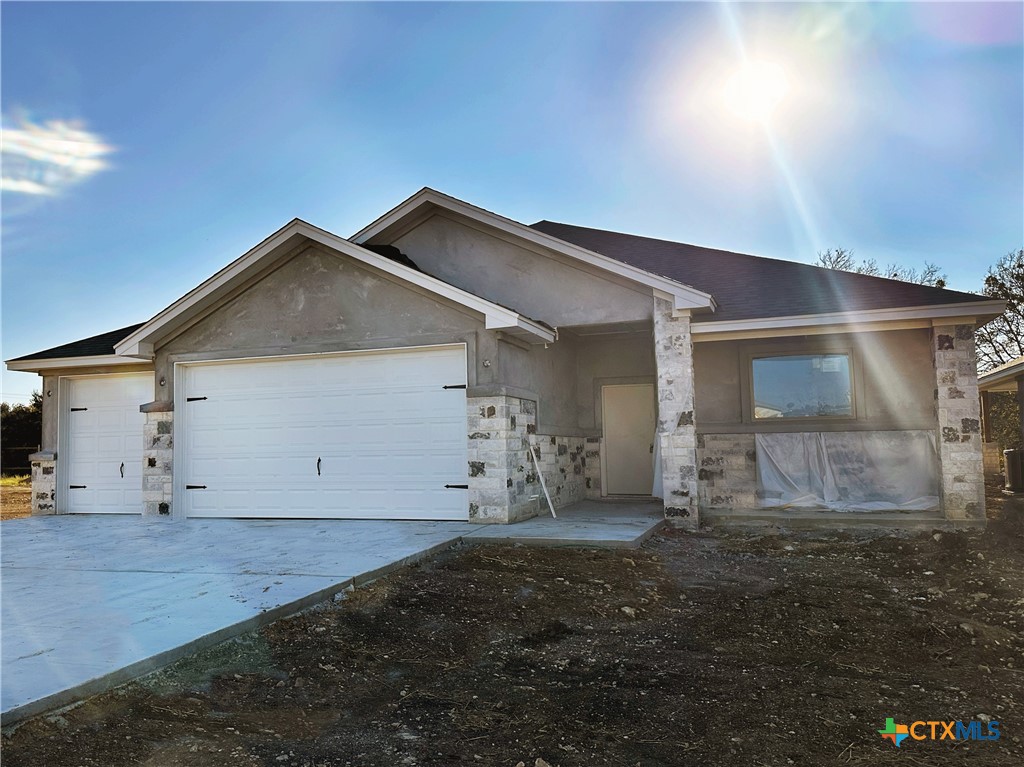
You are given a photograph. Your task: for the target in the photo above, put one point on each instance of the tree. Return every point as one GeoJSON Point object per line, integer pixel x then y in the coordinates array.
{"type": "Point", "coordinates": [21, 428]}
{"type": "Point", "coordinates": [843, 260]}
{"type": "Point", "coordinates": [1002, 339]}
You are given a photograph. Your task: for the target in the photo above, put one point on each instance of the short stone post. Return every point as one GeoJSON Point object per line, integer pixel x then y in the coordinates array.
{"type": "Point", "coordinates": [157, 458]}
{"type": "Point", "coordinates": [44, 482]}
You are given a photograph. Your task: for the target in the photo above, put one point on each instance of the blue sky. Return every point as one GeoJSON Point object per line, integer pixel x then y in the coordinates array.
{"type": "Point", "coordinates": [201, 128]}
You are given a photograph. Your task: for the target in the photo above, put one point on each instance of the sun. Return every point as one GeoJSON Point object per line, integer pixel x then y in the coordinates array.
{"type": "Point", "coordinates": [756, 89]}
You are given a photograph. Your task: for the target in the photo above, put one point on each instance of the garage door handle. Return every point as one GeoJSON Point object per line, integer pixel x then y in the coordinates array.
{"type": "Point", "coordinates": [122, 469]}
{"type": "Point", "coordinates": [78, 409]}
{"type": "Point", "coordinates": [318, 467]}
{"type": "Point", "coordinates": [77, 487]}
{"type": "Point", "coordinates": [195, 487]}
{"type": "Point", "coordinates": [456, 487]}
{"type": "Point", "coordinates": [454, 386]}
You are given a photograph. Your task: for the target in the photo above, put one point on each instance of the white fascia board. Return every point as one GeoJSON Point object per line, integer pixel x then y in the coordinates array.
{"type": "Point", "coordinates": [971, 311]}
{"type": "Point", "coordinates": [682, 296]}
{"type": "Point", "coordinates": [56, 363]}
{"type": "Point", "coordinates": [141, 342]}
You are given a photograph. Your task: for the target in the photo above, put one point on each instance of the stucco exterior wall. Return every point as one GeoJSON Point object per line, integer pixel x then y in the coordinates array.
{"type": "Point", "coordinates": [893, 372]}
{"type": "Point", "coordinates": [316, 302]}
{"type": "Point", "coordinates": [548, 287]}
{"type": "Point", "coordinates": [610, 359]}
{"type": "Point", "coordinates": [547, 375]}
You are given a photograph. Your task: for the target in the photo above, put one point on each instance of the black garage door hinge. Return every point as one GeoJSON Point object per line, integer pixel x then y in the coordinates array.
{"type": "Point", "coordinates": [78, 409]}
{"type": "Point", "coordinates": [77, 487]}
{"type": "Point", "coordinates": [194, 399]}
{"type": "Point", "coordinates": [456, 487]}
{"type": "Point", "coordinates": [195, 487]}
{"type": "Point", "coordinates": [454, 386]}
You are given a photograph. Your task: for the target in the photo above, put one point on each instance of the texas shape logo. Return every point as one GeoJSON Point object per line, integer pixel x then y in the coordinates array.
{"type": "Point", "coordinates": [897, 733]}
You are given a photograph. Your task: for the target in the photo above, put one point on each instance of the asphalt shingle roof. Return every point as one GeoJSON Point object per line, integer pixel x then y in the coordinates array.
{"type": "Point", "coordinates": [744, 286]}
{"type": "Point", "coordinates": [87, 347]}
{"type": "Point", "coordinates": [751, 287]}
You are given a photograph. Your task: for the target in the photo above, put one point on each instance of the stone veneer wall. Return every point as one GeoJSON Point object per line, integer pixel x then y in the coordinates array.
{"type": "Point", "coordinates": [959, 415]}
{"type": "Point", "coordinates": [992, 458]}
{"type": "Point", "coordinates": [503, 484]}
{"type": "Point", "coordinates": [677, 434]}
{"type": "Point", "coordinates": [44, 484]}
{"type": "Point", "coordinates": [592, 468]}
{"type": "Point", "coordinates": [157, 462]}
{"type": "Point", "coordinates": [727, 473]}
{"type": "Point", "coordinates": [563, 463]}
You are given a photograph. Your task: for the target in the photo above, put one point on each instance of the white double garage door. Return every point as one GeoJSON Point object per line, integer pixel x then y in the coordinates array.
{"type": "Point", "coordinates": [378, 435]}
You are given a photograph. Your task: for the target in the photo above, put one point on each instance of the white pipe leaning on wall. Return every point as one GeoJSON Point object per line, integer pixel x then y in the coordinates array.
{"type": "Point", "coordinates": [540, 476]}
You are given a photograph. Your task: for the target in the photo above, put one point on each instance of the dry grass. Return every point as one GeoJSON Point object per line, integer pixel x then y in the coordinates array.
{"type": "Point", "coordinates": [15, 497]}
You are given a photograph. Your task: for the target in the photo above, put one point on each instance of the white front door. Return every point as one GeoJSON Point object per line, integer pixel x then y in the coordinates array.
{"type": "Point", "coordinates": [627, 452]}
{"type": "Point", "coordinates": [363, 435]}
{"type": "Point", "coordinates": [103, 472]}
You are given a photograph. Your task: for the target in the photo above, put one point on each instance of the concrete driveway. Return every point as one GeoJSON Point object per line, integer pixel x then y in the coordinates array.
{"type": "Point", "coordinates": [89, 602]}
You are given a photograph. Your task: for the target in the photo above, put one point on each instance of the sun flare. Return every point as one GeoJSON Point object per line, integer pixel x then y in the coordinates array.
{"type": "Point", "coordinates": [756, 89]}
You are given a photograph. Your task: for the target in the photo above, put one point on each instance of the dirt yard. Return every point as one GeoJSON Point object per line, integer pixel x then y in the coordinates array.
{"type": "Point", "coordinates": [709, 649]}
{"type": "Point", "coordinates": [15, 498]}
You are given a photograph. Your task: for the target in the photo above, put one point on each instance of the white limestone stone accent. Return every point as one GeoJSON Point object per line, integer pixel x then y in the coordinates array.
{"type": "Point", "coordinates": [44, 483]}
{"type": "Point", "coordinates": [157, 462]}
{"type": "Point", "coordinates": [727, 476]}
{"type": "Point", "coordinates": [592, 471]}
{"type": "Point", "coordinates": [677, 434]}
{"type": "Point", "coordinates": [503, 482]}
{"type": "Point", "coordinates": [959, 422]}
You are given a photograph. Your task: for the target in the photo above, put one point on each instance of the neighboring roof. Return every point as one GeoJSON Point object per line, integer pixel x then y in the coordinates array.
{"type": "Point", "coordinates": [419, 207]}
{"type": "Point", "coordinates": [87, 347]}
{"type": "Point", "coordinates": [1002, 378]}
{"type": "Point", "coordinates": [752, 287]}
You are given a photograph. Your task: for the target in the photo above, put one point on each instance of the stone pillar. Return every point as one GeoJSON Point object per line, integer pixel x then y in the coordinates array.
{"type": "Point", "coordinates": [503, 485]}
{"type": "Point", "coordinates": [677, 433]}
{"type": "Point", "coordinates": [959, 420]}
{"type": "Point", "coordinates": [44, 483]}
{"type": "Point", "coordinates": [157, 458]}
{"type": "Point", "coordinates": [593, 468]}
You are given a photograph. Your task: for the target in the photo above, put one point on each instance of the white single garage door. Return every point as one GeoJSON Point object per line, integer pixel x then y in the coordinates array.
{"type": "Point", "coordinates": [364, 436]}
{"type": "Point", "coordinates": [103, 472]}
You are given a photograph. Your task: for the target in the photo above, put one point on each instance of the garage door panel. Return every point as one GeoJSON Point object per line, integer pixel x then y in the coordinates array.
{"type": "Point", "coordinates": [104, 443]}
{"type": "Point", "coordinates": [387, 434]}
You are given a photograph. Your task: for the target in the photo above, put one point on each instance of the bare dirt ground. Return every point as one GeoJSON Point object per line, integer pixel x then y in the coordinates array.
{"type": "Point", "coordinates": [15, 499]}
{"type": "Point", "coordinates": [707, 649]}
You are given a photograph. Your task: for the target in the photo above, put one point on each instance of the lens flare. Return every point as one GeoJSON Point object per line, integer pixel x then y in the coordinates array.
{"type": "Point", "coordinates": [756, 89]}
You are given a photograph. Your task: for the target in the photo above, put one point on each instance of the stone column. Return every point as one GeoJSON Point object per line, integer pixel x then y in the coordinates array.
{"type": "Point", "coordinates": [157, 458]}
{"type": "Point", "coordinates": [959, 420]}
{"type": "Point", "coordinates": [677, 433]}
{"type": "Point", "coordinates": [44, 483]}
{"type": "Point", "coordinates": [503, 485]}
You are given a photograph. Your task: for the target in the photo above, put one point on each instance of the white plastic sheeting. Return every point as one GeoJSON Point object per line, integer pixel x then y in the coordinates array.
{"type": "Point", "coordinates": [848, 471]}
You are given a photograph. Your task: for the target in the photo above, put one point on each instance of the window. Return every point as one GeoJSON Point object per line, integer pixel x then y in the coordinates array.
{"type": "Point", "coordinates": [802, 386]}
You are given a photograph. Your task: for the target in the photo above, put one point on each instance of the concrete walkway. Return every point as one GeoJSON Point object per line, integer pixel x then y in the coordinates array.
{"type": "Point", "coordinates": [89, 602]}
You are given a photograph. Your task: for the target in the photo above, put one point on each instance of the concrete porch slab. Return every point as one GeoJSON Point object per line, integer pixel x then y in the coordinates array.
{"type": "Point", "coordinates": [90, 602]}
{"type": "Point", "coordinates": [604, 524]}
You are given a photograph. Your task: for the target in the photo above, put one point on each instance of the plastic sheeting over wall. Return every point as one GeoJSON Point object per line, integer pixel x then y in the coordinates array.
{"type": "Point", "coordinates": [848, 471]}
